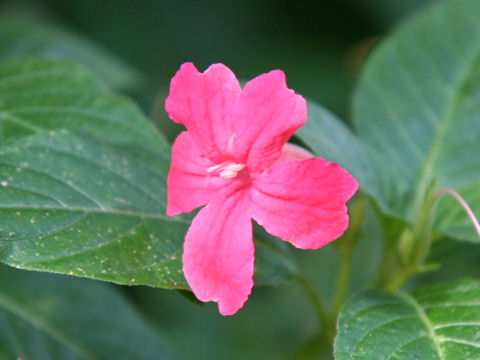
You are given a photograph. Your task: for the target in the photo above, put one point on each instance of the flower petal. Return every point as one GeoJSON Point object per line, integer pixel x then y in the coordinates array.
{"type": "Point", "coordinates": [203, 103]}
{"type": "Point", "coordinates": [219, 254]}
{"type": "Point", "coordinates": [303, 201]}
{"type": "Point", "coordinates": [189, 184]}
{"type": "Point", "coordinates": [265, 116]}
{"type": "Point", "coordinates": [292, 152]}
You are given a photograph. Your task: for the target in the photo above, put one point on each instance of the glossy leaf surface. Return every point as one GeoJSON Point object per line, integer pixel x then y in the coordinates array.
{"type": "Point", "coordinates": [436, 322]}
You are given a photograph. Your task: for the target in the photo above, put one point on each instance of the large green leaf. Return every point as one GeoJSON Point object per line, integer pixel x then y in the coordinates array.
{"type": "Point", "coordinates": [418, 103]}
{"type": "Point", "coordinates": [328, 137]}
{"type": "Point", "coordinates": [436, 322]}
{"type": "Point", "coordinates": [29, 36]}
{"type": "Point", "coordinates": [82, 177]}
{"type": "Point", "coordinates": [52, 317]}
{"type": "Point", "coordinates": [416, 112]}
{"type": "Point", "coordinates": [83, 180]}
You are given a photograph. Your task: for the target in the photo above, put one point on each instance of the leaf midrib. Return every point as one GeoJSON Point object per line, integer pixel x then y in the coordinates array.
{"type": "Point", "coordinates": [441, 131]}
{"type": "Point", "coordinates": [38, 323]}
{"type": "Point", "coordinates": [143, 215]}
{"type": "Point", "coordinates": [423, 317]}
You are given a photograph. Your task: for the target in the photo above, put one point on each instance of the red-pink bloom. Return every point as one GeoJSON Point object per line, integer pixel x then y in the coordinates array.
{"type": "Point", "coordinates": [234, 159]}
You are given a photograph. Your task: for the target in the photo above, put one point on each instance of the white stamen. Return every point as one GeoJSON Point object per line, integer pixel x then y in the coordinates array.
{"type": "Point", "coordinates": [213, 168]}
{"type": "Point", "coordinates": [228, 174]}
{"type": "Point", "coordinates": [227, 170]}
{"type": "Point", "coordinates": [231, 170]}
{"type": "Point", "coordinates": [234, 167]}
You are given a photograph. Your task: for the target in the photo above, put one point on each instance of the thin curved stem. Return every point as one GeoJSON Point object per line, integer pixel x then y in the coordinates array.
{"type": "Point", "coordinates": [463, 203]}
{"type": "Point", "coordinates": [327, 320]}
{"type": "Point", "coordinates": [422, 233]}
{"type": "Point", "coordinates": [315, 299]}
{"type": "Point", "coordinates": [324, 338]}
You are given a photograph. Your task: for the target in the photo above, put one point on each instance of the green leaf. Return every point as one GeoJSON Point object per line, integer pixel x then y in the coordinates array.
{"type": "Point", "coordinates": [83, 180]}
{"type": "Point", "coordinates": [325, 134]}
{"type": "Point", "coordinates": [436, 322]}
{"type": "Point", "coordinates": [273, 262]}
{"type": "Point", "coordinates": [83, 177]}
{"type": "Point", "coordinates": [30, 36]}
{"type": "Point", "coordinates": [52, 317]}
{"type": "Point", "coordinates": [418, 103]}
{"type": "Point", "coordinates": [416, 113]}
{"type": "Point", "coordinates": [328, 137]}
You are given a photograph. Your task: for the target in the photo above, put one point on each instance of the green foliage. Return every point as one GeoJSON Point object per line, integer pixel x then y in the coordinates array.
{"type": "Point", "coordinates": [83, 177]}
{"type": "Point", "coordinates": [51, 317]}
{"type": "Point", "coordinates": [418, 104]}
{"type": "Point", "coordinates": [83, 180]}
{"type": "Point", "coordinates": [330, 138]}
{"type": "Point", "coordinates": [29, 36]}
{"type": "Point", "coordinates": [416, 116]}
{"type": "Point", "coordinates": [417, 124]}
{"type": "Point", "coordinates": [434, 322]}
{"type": "Point", "coordinates": [273, 261]}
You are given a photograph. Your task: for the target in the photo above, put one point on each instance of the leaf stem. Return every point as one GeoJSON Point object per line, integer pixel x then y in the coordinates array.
{"type": "Point", "coordinates": [399, 279]}
{"type": "Point", "coordinates": [343, 280]}
{"type": "Point", "coordinates": [315, 299]}
{"type": "Point", "coordinates": [419, 238]}
{"type": "Point", "coordinates": [463, 203]}
{"type": "Point", "coordinates": [412, 246]}
{"type": "Point", "coordinates": [346, 246]}
{"type": "Point", "coordinates": [322, 341]}
{"type": "Point", "coordinates": [423, 238]}
{"type": "Point", "coordinates": [388, 263]}
{"type": "Point", "coordinates": [327, 320]}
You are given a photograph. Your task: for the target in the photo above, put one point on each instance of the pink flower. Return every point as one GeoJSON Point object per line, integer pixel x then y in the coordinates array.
{"type": "Point", "coordinates": [234, 159]}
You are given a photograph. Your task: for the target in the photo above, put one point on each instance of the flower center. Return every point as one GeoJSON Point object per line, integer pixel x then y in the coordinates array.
{"type": "Point", "coordinates": [227, 169]}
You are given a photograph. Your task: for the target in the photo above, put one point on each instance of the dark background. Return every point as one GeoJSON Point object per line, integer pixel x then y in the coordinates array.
{"type": "Point", "coordinates": [319, 44]}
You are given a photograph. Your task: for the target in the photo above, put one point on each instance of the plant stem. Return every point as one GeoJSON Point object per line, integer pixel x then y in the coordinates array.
{"type": "Point", "coordinates": [315, 299]}
{"type": "Point", "coordinates": [423, 239]}
{"type": "Point", "coordinates": [399, 278]}
{"type": "Point", "coordinates": [388, 263]}
{"type": "Point", "coordinates": [327, 320]}
{"type": "Point", "coordinates": [463, 203]}
{"type": "Point", "coordinates": [346, 247]}
{"type": "Point", "coordinates": [416, 248]}
{"type": "Point", "coordinates": [343, 280]}
{"type": "Point", "coordinates": [322, 340]}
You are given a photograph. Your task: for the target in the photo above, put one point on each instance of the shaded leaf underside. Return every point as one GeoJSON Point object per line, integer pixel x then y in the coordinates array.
{"type": "Point", "coordinates": [52, 317]}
